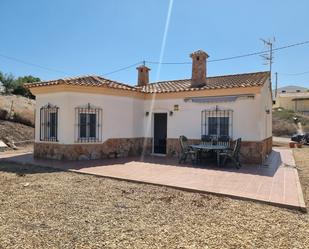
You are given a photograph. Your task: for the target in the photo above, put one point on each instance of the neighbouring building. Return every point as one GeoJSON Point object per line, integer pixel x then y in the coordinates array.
{"type": "Point", "coordinates": [294, 98]}
{"type": "Point", "coordinates": [290, 89]}
{"type": "Point", "coordinates": [90, 117]}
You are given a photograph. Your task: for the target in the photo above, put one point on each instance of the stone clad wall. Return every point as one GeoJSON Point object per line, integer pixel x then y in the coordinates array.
{"type": "Point", "coordinates": [118, 147]}
{"type": "Point", "coordinates": [250, 152]}
{"type": "Point", "coordinates": [173, 146]}
{"type": "Point", "coordinates": [255, 152]}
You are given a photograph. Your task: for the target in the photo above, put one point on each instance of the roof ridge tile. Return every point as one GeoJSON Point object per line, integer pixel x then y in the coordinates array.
{"type": "Point", "coordinates": [214, 82]}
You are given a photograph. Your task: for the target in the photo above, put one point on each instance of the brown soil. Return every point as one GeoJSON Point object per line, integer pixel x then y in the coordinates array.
{"type": "Point", "coordinates": [45, 208]}
{"type": "Point", "coordinates": [11, 131]}
{"type": "Point", "coordinates": [302, 162]}
{"type": "Point", "coordinates": [16, 114]}
{"type": "Point", "coordinates": [18, 108]}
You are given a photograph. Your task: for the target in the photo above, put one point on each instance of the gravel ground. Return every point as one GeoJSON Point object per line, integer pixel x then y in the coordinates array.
{"type": "Point", "coordinates": [43, 208]}
{"type": "Point", "coordinates": [302, 161]}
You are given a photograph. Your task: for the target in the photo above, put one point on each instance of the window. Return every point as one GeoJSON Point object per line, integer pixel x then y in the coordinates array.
{"type": "Point", "coordinates": [212, 126]}
{"type": "Point", "coordinates": [218, 126]}
{"type": "Point", "coordinates": [217, 122]}
{"type": "Point", "coordinates": [49, 123]}
{"type": "Point", "coordinates": [89, 124]}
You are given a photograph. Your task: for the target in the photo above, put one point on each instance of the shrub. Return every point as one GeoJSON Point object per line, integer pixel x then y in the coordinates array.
{"type": "Point", "coordinates": [3, 114]}
{"type": "Point", "coordinates": [284, 124]}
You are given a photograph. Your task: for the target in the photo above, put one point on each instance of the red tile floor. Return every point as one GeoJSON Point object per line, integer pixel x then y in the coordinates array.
{"type": "Point", "coordinates": [275, 182]}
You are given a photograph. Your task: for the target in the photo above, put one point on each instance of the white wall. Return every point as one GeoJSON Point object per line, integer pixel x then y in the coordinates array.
{"type": "Point", "coordinates": [120, 114]}
{"type": "Point", "coordinates": [124, 117]}
{"type": "Point", "coordinates": [247, 117]}
{"type": "Point", "coordinates": [266, 104]}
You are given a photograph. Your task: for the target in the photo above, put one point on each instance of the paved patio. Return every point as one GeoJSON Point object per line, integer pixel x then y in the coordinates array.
{"type": "Point", "coordinates": [276, 182]}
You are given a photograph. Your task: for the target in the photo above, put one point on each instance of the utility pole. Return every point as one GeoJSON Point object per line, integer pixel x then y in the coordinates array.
{"type": "Point", "coordinates": [269, 57]}
{"type": "Point", "coordinates": [276, 90]}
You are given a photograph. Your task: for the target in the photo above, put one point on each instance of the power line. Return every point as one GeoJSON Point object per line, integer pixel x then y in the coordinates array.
{"type": "Point", "coordinates": [165, 63]}
{"type": "Point", "coordinates": [234, 57]}
{"type": "Point", "coordinates": [295, 74]}
{"type": "Point", "coordinates": [123, 68]}
{"type": "Point", "coordinates": [292, 45]}
{"type": "Point", "coordinates": [32, 64]}
{"type": "Point", "coordinates": [56, 70]}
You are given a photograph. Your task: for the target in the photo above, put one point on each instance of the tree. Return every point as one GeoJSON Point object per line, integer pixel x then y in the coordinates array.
{"type": "Point", "coordinates": [8, 82]}
{"type": "Point", "coordinates": [17, 86]}
{"type": "Point", "coordinates": [20, 88]}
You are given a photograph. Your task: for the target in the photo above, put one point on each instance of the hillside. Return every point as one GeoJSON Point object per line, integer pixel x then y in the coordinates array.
{"type": "Point", "coordinates": [18, 133]}
{"type": "Point", "coordinates": [17, 108]}
{"type": "Point", "coordinates": [16, 118]}
{"type": "Point", "coordinates": [284, 125]}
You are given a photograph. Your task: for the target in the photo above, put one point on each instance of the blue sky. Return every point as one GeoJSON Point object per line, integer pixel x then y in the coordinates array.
{"type": "Point", "coordinates": [79, 37]}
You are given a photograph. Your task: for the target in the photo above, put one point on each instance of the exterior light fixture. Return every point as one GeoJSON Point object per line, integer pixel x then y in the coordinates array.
{"type": "Point", "coordinates": [267, 111]}
{"type": "Point", "coordinates": [147, 114]}
{"type": "Point", "coordinates": [171, 113]}
{"type": "Point", "coordinates": [176, 107]}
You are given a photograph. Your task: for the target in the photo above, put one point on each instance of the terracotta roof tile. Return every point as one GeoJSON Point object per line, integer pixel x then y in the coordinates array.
{"type": "Point", "coordinates": [216, 82]}
{"type": "Point", "coordinates": [90, 80]}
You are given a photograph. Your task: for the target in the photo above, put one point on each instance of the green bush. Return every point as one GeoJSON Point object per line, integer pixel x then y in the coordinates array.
{"type": "Point", "coordinates": [3, 114]}
{"type": "Point", "coordinates": [17, 86]}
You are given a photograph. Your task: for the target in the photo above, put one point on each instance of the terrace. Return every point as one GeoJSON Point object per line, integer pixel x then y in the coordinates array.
{"type": "Point", "coordinates": [275, 182]}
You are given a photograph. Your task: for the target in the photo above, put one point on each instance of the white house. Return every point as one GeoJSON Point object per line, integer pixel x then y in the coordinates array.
{"type": "Point", "coordinates": [90, 117]}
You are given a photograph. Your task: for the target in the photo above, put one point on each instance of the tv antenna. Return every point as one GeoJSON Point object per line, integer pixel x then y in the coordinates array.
{"type": "Point", "coordinates": [268, 57]}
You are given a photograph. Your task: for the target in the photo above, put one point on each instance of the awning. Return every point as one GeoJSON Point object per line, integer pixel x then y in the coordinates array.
{"type": "Point", "coordinates": [217, 99]}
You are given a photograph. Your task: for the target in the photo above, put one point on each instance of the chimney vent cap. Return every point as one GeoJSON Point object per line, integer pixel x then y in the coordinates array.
{"type": "Point", "coordinates": [199, 53]}
{"type": "Point", "coordinates": [143, 67]}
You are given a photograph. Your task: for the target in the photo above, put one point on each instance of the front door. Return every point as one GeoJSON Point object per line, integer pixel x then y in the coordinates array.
{"type": "Point", "coordinates": [159, 133]}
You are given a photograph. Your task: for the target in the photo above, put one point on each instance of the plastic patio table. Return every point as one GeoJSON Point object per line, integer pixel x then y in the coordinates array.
{"type": "Point", "coordinates": [208, 147]}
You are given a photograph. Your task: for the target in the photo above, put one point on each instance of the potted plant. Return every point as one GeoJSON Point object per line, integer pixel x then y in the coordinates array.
{"type": "Point", "coordinates": [300, 144]}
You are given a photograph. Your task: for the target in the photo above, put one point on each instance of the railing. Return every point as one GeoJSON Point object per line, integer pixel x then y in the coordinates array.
{"type": "Point", "coordinates": [217, 122]}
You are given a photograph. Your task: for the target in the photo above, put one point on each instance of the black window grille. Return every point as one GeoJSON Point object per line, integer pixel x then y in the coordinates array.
{"type": "Point", "coordinates": [217, 122]}
{"type": "Point", "coordinates": [88, 124]}
{"type": "Point", "coordinates": [49, 123]}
